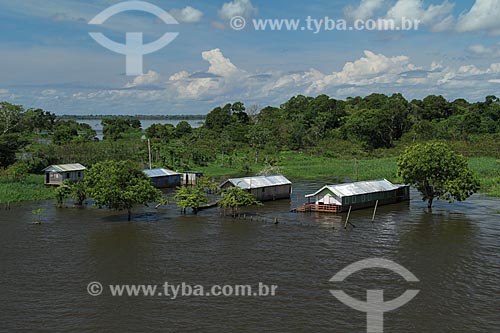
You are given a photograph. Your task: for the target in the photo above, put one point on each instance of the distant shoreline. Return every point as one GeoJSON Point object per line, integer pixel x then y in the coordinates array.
{"type": "Point", "coordinates": [140, 117]}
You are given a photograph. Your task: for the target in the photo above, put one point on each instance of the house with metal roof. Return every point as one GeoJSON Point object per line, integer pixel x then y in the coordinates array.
{"type": "Point", "coordinates": [263, 188]}
{"type": "Point", "coordinates": [162, 178]}
{"type": "Point", "coordinates": [57, 174]}
{"type": "Point", "coordinates": [358, 195]}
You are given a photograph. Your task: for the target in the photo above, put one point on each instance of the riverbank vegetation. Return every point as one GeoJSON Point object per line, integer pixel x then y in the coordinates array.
{"type": "Point", "coordinates": [305, 137]}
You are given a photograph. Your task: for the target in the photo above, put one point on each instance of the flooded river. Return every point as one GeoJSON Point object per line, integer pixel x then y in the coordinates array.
{"type": "Point", "coordinates": [45, 269]}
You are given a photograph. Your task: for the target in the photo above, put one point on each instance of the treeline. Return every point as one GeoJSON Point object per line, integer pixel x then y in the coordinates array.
{"type": "Point", "coordinates": [140, 117]}
{"type": "Point", "coordinates": [235, 137]}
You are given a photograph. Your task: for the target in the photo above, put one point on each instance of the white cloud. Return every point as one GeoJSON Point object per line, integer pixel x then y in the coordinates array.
{"type": "Point", "coordinates": [219, 65]}
{"type": "Point", "coordinates": [243, 8]}
{"type": "Point", "coordinates": [471, 69]}
{"type": "Point", "coordinates": [447, 24]}
{"type": "Point", "coordinates": [149, 78]}
{"type": "Point", "coordinates": [481, 50]}
{"type": "Point", "coordinates": [370, 69]}
{"type": "Point", "coordinates": [414, 9]}
{"type": "Point", "coordinates": [187, 15]}
{"type": "Point", "coordinates": [482, 16]}
{"type": "Point", "coordinates": [222, 81]}
{"type": "Point", "coordinates": [220, 76]}
{"type": "Point", "coordinates": [365, 10]}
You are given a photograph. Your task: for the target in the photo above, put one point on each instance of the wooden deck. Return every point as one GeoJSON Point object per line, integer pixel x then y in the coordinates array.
{"type": "Point", "coordinates": [306, 208]}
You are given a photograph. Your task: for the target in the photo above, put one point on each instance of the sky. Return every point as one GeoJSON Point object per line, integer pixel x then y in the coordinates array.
{"type": "Point", "coordinates": [48, 59]}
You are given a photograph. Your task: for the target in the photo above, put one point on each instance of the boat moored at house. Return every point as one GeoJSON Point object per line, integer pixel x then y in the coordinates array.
{"type": "Point", "coordinates": [56, 174]}
{"type": "Point", "coordinates": [263, 188]}
{"type": "Point", "coordinates": [342, 197]}
{"type": "Point", "coordinates": [163, 178]}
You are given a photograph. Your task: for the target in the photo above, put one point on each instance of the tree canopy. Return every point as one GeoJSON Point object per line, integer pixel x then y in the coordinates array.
{"type": "Point", "coordinates": [235, 197]}
{"type": "Point", "coordinates": [120, 186]}
{"type": "Point", "coordinates": [437, 172]}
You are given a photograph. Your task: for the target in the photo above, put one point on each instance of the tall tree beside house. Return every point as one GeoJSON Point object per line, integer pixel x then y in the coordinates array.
{"type": "Point", "coordinates": [120, 186]}
{"type": "Point", "coordinates": [437, 172]}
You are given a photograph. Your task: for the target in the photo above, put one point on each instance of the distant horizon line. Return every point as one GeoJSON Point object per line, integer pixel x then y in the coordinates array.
{"type": "Point", "coordinates": [144, 117]}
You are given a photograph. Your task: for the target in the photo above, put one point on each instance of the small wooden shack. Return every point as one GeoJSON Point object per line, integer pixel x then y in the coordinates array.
{"type": "Point", "coordinates": [162, 178]}
{"type": "Point", "coordinates": [359, 195]}
{"type": "Point", "coordinates": [57, 174]}
{"type": "Point", "coordinates": [263, 188]}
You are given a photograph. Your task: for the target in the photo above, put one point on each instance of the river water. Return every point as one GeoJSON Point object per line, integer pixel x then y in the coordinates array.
{"type": "Point", "coordinates": [45, 269]}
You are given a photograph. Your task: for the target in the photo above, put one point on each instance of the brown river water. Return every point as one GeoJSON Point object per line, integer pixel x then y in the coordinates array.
{"type": "Point", "coordinates": [45, 269]}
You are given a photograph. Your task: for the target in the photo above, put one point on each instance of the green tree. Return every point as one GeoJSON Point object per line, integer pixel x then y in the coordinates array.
{"type": "Point", "coordinates": [10, 117]}
{"type": "Point", "coordinates": [78, 192]}
{"type": "Point", "coordinates": [437, 172]}
{"type": "Point", "coordinates": [120, 186]}
{"type": "Point", "coordinates": [371, 126]}
{"type": "Point", "coordinates": [64, 134]}
{"type": "Point", "coordinates": [10, 144]}
{"type": "Point", "coordinates": [62, 192]}
{"type": "Point", "coordinates": [235, 197]}
{"type": "Point", "coordinates": [36, 120]}
{"type": "Point", "coordinates": [114, 128]}
{"type": "Point", "coordinates": [190, 197]}
{"type": "Point", "coordinates": [183, 128]}
{"type": "Point", "coordinates": [218, 118]}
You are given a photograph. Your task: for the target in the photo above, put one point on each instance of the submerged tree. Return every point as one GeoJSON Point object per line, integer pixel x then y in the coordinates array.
{"type": "Point", "coordinates": [437, 172]}
{"type": "Point", "coordinates": [62, 192]}
{"type": "Point", "coordinates": [118, 185]}
{"type": "Point", "coordinates": [235, 197]}
{"type": "Point", "coordinates": [190, 197]}
{"type": "Point", "coordinates": [78, 192]}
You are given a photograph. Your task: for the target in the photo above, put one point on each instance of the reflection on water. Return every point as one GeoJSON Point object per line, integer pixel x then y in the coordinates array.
{"type": "Point", "coordinates": [454, 251]}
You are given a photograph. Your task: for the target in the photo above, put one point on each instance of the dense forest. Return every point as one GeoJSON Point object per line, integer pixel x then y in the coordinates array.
{"type": "Point", "coordinates": [234, 136]}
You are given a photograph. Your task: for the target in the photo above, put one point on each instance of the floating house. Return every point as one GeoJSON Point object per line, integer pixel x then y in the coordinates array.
{"type": "Point", "coordinates": [162, 178]}
{"type": "Point", "coordinates": [57, 174]}
{"type": "Point", "coordinates": [359, 195]}
{"type": "Point", "coordinates": [263, 188]}
{"type": "Point", "coordinates": [191, 177]}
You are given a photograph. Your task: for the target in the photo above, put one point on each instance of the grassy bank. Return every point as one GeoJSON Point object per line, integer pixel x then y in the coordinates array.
{"type": "Point", "coordinates": [303, 166]}
{"type": "Point", "coordinates": [31, 189]}
{"type": "Point", "coordinates": [294, 165]}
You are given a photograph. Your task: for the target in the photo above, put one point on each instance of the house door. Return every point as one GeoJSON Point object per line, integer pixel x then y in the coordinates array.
{"type": "Point", "coordinates": [47, 178]}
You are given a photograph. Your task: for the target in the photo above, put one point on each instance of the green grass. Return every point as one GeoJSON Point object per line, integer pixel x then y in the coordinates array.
{"type": "Point", "coordinates": [488, 171]}
{"type": "Point", "coordinates": [31, 189]}
{"type": "Point", "coordinates": [302, 166]}
{"type": "Point", "coordinates": [298, 166]}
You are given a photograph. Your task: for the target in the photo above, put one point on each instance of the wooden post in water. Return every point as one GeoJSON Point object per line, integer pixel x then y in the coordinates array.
{"type": "Point", "coordinates": [375, 211]}
{"type": "Point", "coordinates": [348, 215]}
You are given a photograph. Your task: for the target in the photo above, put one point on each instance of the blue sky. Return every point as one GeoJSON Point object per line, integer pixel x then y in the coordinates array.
{"type": "Point", "coordinates": [48, 59]}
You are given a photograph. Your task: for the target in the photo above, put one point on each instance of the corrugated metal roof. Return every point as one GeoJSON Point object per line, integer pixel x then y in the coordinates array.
{"type": "Point", "coordinates": [153, 173]}
{"type": "Point", "coordinates": [350, 189]}
{"type": "Point", "coordinates": [65, 167]}
{"type": "Point", "coordinates": [259, 181]}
